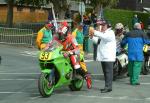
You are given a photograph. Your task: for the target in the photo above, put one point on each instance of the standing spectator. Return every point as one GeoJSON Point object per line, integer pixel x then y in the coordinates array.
{"type": "Point", "coordinates": [126, 28]}
{"type": "Point", "coordinates": [106, 52]}
{"type": "Point", "coordinates": [135, 19]}
{"type": "Point", "coordinates": [135, 40]}
{"type": "Point", "coordinates": [44, 36]}
{"type": "Point", "coordinates": [86, 23]}
{"type": "Point", "coordinates": [86, 20]}
{"type": "Point", "coordinates": [94, 20]}
{"type": "Point", "coordinates": [68, 14]}
{"type": "Point", "coordinates": [50, 16]}
{"type": "Point", "coordinates": [0, 59]}
{"type": "Point", "coordinates": [142, 25]}
{"type": "Point", "coordinates": [119, 32]}
{"type": "Point", "coordinates": [98, 28]}
{"type": "Point", "coordinates": [148, 23]}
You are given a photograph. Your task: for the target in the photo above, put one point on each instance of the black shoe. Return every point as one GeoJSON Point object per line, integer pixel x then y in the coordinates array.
{"type": "Point", "coordinates": [105, 90]}
{"type": "Point", "coordinates": [102, 89]}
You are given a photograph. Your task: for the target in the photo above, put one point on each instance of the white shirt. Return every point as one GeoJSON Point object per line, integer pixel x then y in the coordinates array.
{"type": "Point", "coordinates": [106, 50]}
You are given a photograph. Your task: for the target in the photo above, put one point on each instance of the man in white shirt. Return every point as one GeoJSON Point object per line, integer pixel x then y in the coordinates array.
{"type": "Point", "coordinates": [106, 52]}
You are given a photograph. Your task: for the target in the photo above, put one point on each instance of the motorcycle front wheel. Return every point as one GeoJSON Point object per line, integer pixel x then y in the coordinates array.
{"type": "Point", "coordinates": [45, 85]}
{"type": "Point", "coordinates": [115, 70]}
{"type": "Point", "coordinates": [76, 83]}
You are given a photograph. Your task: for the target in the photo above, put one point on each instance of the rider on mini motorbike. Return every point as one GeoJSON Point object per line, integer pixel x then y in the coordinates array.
{"type": "Point", "coordinates": [119, 32]}
{"type": "Point", "coordinates": [120, 65]}
{"type": "Point", "coordinates": [70, 45]}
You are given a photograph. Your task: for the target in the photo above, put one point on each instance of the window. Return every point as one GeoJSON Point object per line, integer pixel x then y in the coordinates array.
{"type": "Point", "coordinates": [32, 9]}
{"type": "Point", "coordinates": [140, 1]}
{"type": "Point", "coordinates": [19, 8]}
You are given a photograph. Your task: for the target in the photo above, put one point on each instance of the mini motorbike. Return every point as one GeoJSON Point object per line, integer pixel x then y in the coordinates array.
{"type": "Point", "coordinates": [120, 65]}
{"type": "Point", "coordinates": [56, 70]}
{"type": "Point", "coordinates": [146, 64]}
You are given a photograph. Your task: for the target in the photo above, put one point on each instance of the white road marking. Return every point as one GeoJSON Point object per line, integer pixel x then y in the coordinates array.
{"type": "Point", "coordinates": [109, 97]}
{"type": "Point", "coordinates": [18, 79]}
{"type": "Point", "coordinates": [145, 83]}
{"type": "Point", "coordinates": [148, 98]}
{"type": "Point", "coordinates": [101, 97]}
{"type": "Point", "coordinates": [140, 75]}
{"type": "Point", "coordinates": [85, 96]}
{"type": "Point", "coordinates": [20, 73]}
{"type": "Point", "coordinates": [35, 54]}
{"type": "Point", "coordinates": [88, 61]}
{"type": "Point", "coordinates": [36, 97]}
{"type": "Point", "coordinates": [30, 53]}
{"type": "Point", "coordinates": [17, 93]}
{"type": "Point", "coordinates": [2, 71]}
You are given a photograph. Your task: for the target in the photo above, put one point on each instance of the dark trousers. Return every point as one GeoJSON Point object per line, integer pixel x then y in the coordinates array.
{"type": "Point", "coordinates": [95, 51]}
{"type": "Point", "coordinates": [108, 73]}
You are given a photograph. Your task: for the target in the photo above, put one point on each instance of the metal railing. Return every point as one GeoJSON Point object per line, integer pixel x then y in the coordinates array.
{"type": "Point", "coordinates": [16, 36]}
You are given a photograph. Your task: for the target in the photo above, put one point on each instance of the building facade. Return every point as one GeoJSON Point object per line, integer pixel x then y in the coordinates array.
{"type": "Point", "coordinates": [137, 5]}
{"type": "Point", "coordinates": [23, 14]}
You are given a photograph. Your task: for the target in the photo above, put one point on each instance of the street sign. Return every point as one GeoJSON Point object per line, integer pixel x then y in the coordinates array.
{"type": "Point", "coordinates": [81, 7]}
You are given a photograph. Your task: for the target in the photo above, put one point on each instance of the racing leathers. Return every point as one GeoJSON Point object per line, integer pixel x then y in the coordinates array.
{"type": "Point", "coordinates": [71, 46]}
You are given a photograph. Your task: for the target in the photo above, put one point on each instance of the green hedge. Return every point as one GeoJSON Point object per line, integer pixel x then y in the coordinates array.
{"type": "Point", "coordinates": [125, 16]}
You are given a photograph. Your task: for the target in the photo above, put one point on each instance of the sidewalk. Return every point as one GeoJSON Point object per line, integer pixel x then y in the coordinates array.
{"type": "Point", "coordinates": [88, 56]}
{"type": "Point", "coordinates": [94, 67]}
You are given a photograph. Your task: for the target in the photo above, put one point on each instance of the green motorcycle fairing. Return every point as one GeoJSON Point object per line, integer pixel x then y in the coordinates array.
{"type": "Point", "coordinates": [54, 59]}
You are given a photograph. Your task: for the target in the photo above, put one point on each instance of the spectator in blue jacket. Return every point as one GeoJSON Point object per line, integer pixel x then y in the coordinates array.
{"type": "Point", "coordinates": [135, 19]}
{"type": "Point", "coordinates": [135, 40]}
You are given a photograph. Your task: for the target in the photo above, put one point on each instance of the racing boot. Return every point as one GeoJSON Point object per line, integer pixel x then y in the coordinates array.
{"type": "Point", "coordinates": [88, 80]}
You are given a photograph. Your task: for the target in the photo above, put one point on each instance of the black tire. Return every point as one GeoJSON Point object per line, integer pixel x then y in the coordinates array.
{"type": "Point", "coordinates": [145, 68]}
{"type": "Point", "coordinates": [76, 83]}
{"type": "Point", "coordinates": [115, 70]}
{"type": "Point", "coordinates": [43, 84]}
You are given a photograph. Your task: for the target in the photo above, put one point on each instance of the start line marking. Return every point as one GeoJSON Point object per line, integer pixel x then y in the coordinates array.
{"type": "Point", "coordinates": [35, 54]}
{"type": "Point", "coordinates": [85, 96]}
{"type": "Point", "coordinates": [19, 73]}
{"type": "Point", "coordinates": [109, 97]}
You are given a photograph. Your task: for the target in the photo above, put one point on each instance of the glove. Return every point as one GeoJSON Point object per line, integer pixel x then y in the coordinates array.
{"type": "Point", "coordinates": [67, 54]}
{"type": "Point", "coordinates": [70, 52]}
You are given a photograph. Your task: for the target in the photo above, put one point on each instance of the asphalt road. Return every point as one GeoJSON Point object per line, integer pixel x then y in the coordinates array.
{"type": "Point", "coordinates": [19, 72]}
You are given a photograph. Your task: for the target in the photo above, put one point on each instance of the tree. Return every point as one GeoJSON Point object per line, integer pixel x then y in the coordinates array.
{"type": "Point", "coordinates": [9, 20]}
{"type": "Point", "coordinates": [10, 4]}
{"type": "Point", "coordinates": [98, 4]}
{"type": "Point", "coordinates": [60, 6]}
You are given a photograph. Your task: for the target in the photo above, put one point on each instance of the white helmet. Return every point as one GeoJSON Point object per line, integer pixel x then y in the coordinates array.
{"type": "Point", "coordinates": [119, 26]}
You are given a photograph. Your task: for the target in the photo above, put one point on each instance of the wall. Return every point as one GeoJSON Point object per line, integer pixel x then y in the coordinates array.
{"type": "Point", "coordinates": [24, 15]}
{"type": "Point", "coordinates": [3, 13]}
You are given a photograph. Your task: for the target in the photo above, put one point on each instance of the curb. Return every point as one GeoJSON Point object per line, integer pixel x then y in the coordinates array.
{"type": "Point", "coordinates": [97, 76]}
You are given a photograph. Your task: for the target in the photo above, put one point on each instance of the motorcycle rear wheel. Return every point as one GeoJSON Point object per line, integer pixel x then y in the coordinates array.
{"type": "Point", "coordinates": [45, 88]}
{"type": "Point", "coordinates": [76, 83]}
{"type": "Point", "coordinates": [145, 68]}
